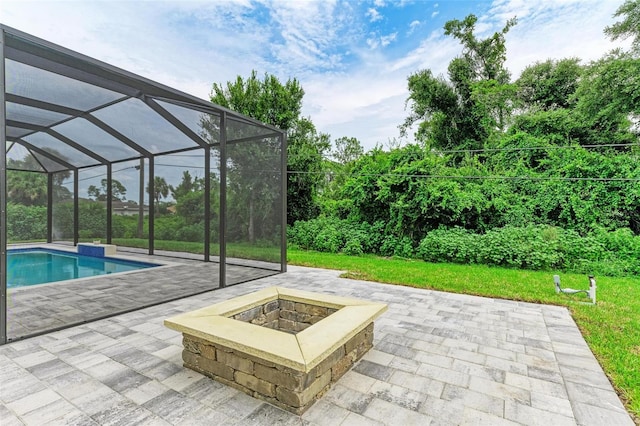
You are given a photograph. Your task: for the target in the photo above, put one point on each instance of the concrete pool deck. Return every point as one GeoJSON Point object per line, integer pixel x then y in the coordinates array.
{"type": "Point", "coordinates": [438, 358]}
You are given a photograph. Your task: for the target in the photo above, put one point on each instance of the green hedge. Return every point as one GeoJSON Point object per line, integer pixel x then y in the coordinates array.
{"type": "Point", "coordinates": [536, 247]}
{"type": "Point", "coordinates": [26, 223]}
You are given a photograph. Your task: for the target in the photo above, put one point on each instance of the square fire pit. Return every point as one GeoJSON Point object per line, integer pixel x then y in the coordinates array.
{"type": "Point", "coordinates": [283, 346]}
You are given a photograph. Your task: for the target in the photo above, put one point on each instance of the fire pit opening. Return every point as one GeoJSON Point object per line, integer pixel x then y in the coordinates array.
{"type": "Point", "coordinates": [285, 315]}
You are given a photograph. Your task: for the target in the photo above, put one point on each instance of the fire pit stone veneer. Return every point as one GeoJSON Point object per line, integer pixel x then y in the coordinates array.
{"type": "Point", "coordinates": [283, 346]}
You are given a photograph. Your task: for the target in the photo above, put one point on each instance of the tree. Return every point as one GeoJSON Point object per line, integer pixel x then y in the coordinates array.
{"type": "Point", "coordinates": [545, 93]}
{"type": "Point", "coordinates": [484, 58]}
{"type": "Point", "coordinates": [558, 126]}
{"type": "Point", "coordinates": [118, 191]}
{"type": "Point", "coordinates": [434, 106]}
{"type": "Point", "coordinates": [26, 188]}
{"type": "Point", "coordinates": [307, 148]}
{"type": "Point", "coordinates": [463, 112]}
{"type": "Point", "coordinates": [190, 204]}
{"type": "Point", "coordinates": [160, 190]}
{"type": "Point", "coordinates": [279, 105]}
{"type": "Point", "coordinates": [549, 85]}
{"type": "Point", "coordinates": [347, 150]}
{"type": "Point", "coordinates": [186, 186]}
{"type": "Point", "coordinates": [609, 97]}
{"type": "Point", "coordinates": [494, 104]}
{"type": "Point", "coordinates": [27, 185]}
{"type": "Point", "coordinates": [629, 26]}
{"type": "Point", "coordinates": [266, 100]}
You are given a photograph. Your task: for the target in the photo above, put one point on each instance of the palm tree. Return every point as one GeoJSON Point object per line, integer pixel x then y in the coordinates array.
{"type": "Point", "coordinates": [160, 190]}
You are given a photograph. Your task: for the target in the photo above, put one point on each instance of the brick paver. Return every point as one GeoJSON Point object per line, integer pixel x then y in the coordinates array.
{"type": "Point", "coordinates": [438, 358]}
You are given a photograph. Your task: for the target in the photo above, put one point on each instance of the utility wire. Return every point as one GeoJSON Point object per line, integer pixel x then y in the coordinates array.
{"type": "Point", "coordinates": [535, 148]}
{"type": "Point", "coordinates": [470, 177]}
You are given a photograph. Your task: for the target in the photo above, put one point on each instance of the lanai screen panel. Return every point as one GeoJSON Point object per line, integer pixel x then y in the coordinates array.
{"type": "Point", "coordinates": [92, 217]}
{"type": "Point", "coordinates": [96, 139]}
{"type": "Point", "coordinates": [31, 115]}
{"type": "Point", "coordinates": [255, 200]}
{"type": "Point", "coordinates": [63, 219]}
{"type": "Point", "coordinates": [135, 120]}
{"type": "Point", "coordinates": [36, 84]}
{"type": "Point", "coordinates": [27, 203]}
{"type": "Point", "coordinates": [127, 205]}
{"type": "Point", "coordinates": [178, 201]}
{"type": "Point", "coordinates": [194, 177]}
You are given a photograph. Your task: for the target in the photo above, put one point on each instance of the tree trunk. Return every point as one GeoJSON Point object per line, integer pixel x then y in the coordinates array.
{"type": "Point", "coordinates": [251, 231]}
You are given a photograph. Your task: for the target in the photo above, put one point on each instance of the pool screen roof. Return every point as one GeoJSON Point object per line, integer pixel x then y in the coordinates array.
{"type": "Point", "coordinates": [67, 111]}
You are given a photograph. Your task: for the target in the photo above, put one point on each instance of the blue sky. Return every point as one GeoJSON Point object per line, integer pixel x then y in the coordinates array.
{"type": "Point", "coordinates": [351, 57]}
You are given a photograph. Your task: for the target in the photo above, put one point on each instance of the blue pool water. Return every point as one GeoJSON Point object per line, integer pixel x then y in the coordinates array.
{"type": "Point", "coordinates": [32, 266]}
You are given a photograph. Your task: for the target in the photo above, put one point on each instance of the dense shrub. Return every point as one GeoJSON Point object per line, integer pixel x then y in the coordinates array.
{"type": "Point", "coordinates": [166, 227]}
{"type": "Point", "coordinates": [397, 246]}
{"type": "Point", "coordinates": [621, 241]}
{"type": "Point", "coordinates": [334, 235]}
{"type": "Point", "coordinates": [537, 247]}
{"type": "Point", "coordinates": [353, 247]}
{"type": "Point", "coordinates": [528, 247]}
{"type": "Point", "coordinates": [303, 233]}
{"type": "Point", "coordinates": [518, 247]}
{"type": "Point", "coordinates": [26, 223]}
{"type": "Point", "coordinates": [193, 233]}
{"type": "Point", "coordinates": [30, 223]}
{"type": "Point", "coordinates": [126, 227]}
{"type": "Point", "coordinates": [93, 219]}
{"type": "Point", "coordinates": [415, 191]}
{"type": "Point", "coordinates": [449, 245]}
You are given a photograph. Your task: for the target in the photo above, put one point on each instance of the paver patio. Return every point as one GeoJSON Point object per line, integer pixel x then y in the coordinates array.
{"type": "Point", "coordinates": [438, 358]}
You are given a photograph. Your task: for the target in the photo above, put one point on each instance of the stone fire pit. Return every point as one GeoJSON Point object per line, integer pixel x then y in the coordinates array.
{"type": "Point", "coordinates": [283, 346]}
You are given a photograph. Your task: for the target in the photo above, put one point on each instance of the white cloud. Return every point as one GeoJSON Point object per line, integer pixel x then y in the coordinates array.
{"type": "Point", "coordinates": [412, 26]}
{"type": "Point", "coordinates": [434, 53]}
{"type": "Point", "coordinates": [379, 3]}
{"type": "Point", "coordinates": [373, 15]}
{"type": "Point", "coordinates": [435, 13]}
{"type": "Point", "coordinates": [309, 31]}
{"type": "Point", "coordinates": [373, 42]}
{"type": "Point", "coordinates": [386, 40]}
{"type": "Point", "coordinates": [367, 103]}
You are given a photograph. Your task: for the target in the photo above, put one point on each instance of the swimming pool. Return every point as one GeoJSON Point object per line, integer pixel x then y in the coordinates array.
{"type": "Point", "coordinates": [31, 266]}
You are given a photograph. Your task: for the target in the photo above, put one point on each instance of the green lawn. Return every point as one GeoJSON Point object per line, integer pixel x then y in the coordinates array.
{"type": "Point", "coordinates": [612, 328]}
{"type": "Point", "coordinates": [239, 250]}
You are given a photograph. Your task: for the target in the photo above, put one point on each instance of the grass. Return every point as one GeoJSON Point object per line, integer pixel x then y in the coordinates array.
{"type": "Point", "coordinates": [238, 250]}
{"type": "Point", "coordinates": [611, 328]}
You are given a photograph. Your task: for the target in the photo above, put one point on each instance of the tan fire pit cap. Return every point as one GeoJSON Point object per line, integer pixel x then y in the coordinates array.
{"type": "Point", "coordinates": [301, 351]}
